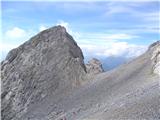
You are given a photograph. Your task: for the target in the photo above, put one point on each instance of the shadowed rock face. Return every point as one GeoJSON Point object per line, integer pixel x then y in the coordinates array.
{"type": "Point", "coordinates": [49, 62]}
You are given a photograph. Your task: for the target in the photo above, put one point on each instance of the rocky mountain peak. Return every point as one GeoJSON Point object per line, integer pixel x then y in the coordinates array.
{"type": "Point", "coordinates": [153, 45]}
{"type": "Point", "coordinates": [48, 63]}
{"type": "Point", "coordinates": [94, 66]}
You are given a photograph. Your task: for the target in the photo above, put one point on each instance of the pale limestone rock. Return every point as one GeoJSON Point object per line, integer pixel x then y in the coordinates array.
{"type": "Point", "coordinates": [94, 66]}
{"type": "Point", "coordinates": [156, 58]}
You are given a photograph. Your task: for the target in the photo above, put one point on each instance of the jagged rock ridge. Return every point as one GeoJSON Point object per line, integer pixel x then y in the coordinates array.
{"type": "Point", "coordinates": [48, 63]}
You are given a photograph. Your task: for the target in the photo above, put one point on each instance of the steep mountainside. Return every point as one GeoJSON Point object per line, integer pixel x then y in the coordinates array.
{"type": "Point", "coordinates": [48, 63]}
{"type": "Point", "coordinates": [46, 79]}
{"type": "Point", "coordinates": [128, 92]}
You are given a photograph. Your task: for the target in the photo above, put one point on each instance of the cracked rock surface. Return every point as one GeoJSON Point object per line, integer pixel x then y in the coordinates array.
{"type": "Point", "coordinates": [48, 63]}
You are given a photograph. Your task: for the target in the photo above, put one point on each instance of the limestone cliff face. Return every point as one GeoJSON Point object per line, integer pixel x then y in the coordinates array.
{"type": "Point", "coordinates": [156, 57]}
{"type": "Point", "coordinates": [49, 62]}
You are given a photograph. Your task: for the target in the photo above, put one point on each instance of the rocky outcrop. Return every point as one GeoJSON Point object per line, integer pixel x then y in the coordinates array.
{"type": "Point", "coordinates": [48, 63]}
{"type": "Point", "coordinates": [94, 66]}
{"type": "Point", "coordinates": [156, 57]}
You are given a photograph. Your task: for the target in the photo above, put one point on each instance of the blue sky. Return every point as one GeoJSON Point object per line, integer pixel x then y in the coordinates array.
{"type": "Point", "coordinates": [101, 29]}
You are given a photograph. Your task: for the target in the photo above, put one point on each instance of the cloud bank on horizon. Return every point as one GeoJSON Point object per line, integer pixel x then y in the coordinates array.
{"type": "Point", "coordinates": [101, 29]}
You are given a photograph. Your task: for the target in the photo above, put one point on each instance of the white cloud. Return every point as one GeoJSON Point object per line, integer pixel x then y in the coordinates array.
{"type": "Point", "coordinates": [121, 36]}
{"type": "Point", "coordinates": [13, 38]}
{"type": "Point", "coordinates": [16, 36]}
{"type": "Point", "coordinates": [75, 34]}
{"type": "Point", "coordinates": [42, 27]}
{"type": "Point", "coordinates": [4, 49]}
{"type": "Point", "coordinates": [115, 36]}
{"type": "Point", "coordinates": [113, 49]}
{"type": "Point", "coordinates": [102, 44]}
{"type": "Point", "coordinates": [124, 49]}
{"type": "Point", "coordinates": [15, 33]}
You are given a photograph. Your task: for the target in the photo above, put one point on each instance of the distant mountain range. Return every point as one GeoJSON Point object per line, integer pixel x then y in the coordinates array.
{"type": "Point", "coordinates": [113, 62]}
